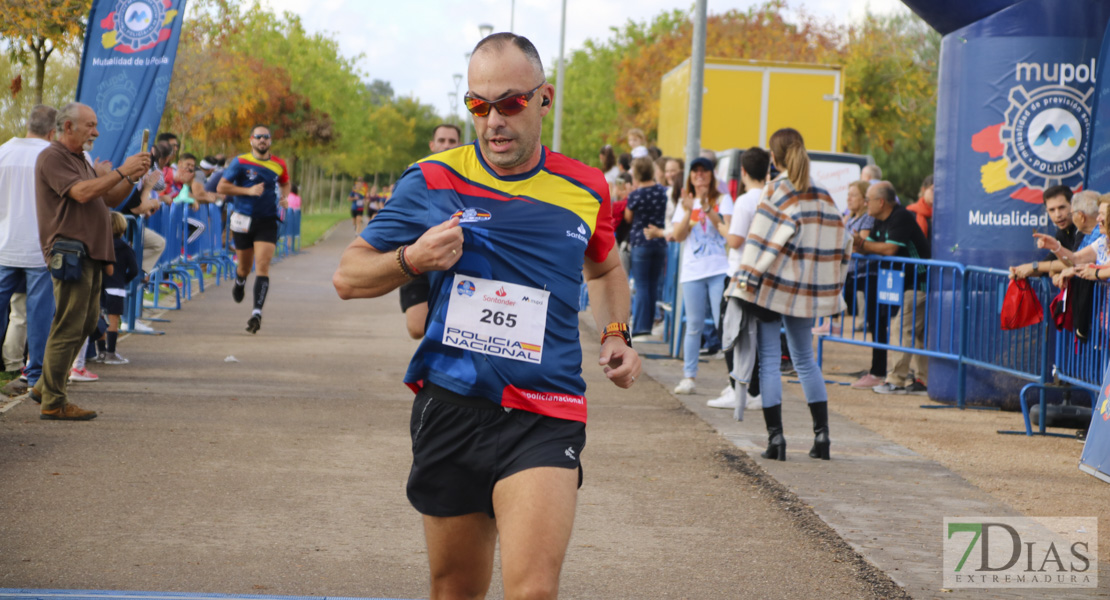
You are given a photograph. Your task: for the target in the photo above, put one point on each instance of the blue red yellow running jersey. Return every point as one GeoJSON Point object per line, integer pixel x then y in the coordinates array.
{"type": "Point", "coordinates": [534, 229]}
{"type": "Point", "coordinates": [246, 171]}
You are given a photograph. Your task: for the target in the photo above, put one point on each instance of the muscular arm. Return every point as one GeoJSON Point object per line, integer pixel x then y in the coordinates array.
{"type": "Point", "coordinates": [609, 298]}
{"type": "Point", "coordinates": [227, 188]}
{"type": "Point", "coordinates": [609, 295]}
{"type": "Point", "coordinates": [366, 272]}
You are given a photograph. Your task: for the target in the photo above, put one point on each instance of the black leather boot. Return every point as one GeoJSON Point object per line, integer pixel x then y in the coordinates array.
{"type": "Point", "coordinates": [820, 412]}
{"type": "Point", "coordinates": [776, 443]}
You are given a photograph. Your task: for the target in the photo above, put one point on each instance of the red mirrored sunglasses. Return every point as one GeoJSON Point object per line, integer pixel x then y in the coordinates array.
{"type": "Point", "coordinates": [507, 106]}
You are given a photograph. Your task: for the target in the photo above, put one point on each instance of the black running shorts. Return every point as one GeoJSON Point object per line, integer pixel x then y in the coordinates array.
{"type": "Point", "coordinates": [112, 305]}
{"type": "Point", "coordinates": [262, 229]}
{"type": "Point", "coordinates": [463, 445]}
{"type": "Point", "coordinates": [415, 292]}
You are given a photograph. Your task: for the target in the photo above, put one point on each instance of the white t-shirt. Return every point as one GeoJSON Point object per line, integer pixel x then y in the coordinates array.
{"type": "Point", "coordinates": [725, 205]}
{"type": "Point", "coordinates": [703, 252]}
{"type": "Point", "coordinates": [19, 225]}
{"type": "Point", "coordinates": [640, 152]}
{"type": "Point", "coordinates": [1102, 251]}
{"type": "Point", "coordinates": [742, 215]}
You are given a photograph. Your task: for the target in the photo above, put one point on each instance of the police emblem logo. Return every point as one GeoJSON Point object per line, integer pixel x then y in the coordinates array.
{"type": "Point", "coordinates": [136, 25]}
{"type": "Point", "coordinates": [115, 101]}
{"type": "Point", "coordinates": [465, 288]}
{"type": "Point", "coordinates": [472, 215]}
{"type": "Point", "coordinates": [1044, 135]}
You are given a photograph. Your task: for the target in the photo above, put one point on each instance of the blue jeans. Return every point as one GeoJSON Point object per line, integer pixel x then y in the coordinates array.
{"type": "Point", "coordinates": [40, 310]}
{"type": "Point", "coordinates": [648, 264]}
{"type": "Point", "coordinates": [799, 339]}
{"type": "Point", "coordinates": [696, 295]}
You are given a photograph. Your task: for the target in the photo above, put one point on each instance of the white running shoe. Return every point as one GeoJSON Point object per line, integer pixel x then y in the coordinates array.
{"type": "Point", "coordinates": [686, 386]}
{"type": "Point", "coordinates": [754, 403]}
{"type": "Point", "coordinates": [113, 358]}
{"type": "Point", "coordinates": [727, 399]}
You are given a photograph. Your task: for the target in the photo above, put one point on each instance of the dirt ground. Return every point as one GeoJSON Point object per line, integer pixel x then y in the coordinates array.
{"type": "Point", "coordinates": [228, 463]}
{"type": "Point", "coordinates": [1037, 476]}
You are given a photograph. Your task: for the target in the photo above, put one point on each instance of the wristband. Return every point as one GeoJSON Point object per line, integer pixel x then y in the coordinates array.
{"type": "Point", "coordinates": [121, 175]}
{"type": "Point", "coordinates": [617, 330]}
{"type": "Point", "coordinates": [401, 263]}
{"type": "Point", "coordinates": [405, 259]}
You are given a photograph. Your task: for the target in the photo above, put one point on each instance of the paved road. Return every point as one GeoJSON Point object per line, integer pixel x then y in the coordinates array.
{"type": "Point", "coordinates": [283, 473]}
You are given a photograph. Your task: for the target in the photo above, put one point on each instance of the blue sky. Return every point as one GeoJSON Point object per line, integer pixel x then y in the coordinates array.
{"type": "Point", "coordinates": [418, 45]}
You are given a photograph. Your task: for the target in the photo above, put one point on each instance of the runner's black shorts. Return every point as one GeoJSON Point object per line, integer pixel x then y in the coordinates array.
{"type": "Point", "coordinates": [356, 212]}
{"type": "Point", "coordinates": [262, 229]}
{"type": "Point", "coordinates": [463, 445]}
{"type": "Point", "coordinates": [112, 305]}
{"type": "Point", "coordinates": [415, 292]}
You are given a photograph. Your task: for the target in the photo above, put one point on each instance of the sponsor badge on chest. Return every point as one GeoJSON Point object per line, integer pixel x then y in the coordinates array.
{"type": "Point", "coordinates": [496, 318]}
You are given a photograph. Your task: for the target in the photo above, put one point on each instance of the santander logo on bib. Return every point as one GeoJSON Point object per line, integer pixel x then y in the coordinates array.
{"type": "Point", "coordinates": [501, 292]}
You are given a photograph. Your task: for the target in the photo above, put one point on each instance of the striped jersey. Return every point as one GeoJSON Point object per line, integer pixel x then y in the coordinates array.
{"type": "Point", "coordinates": [246, 171]}
{"type": "Point", "coordinates": [533, 229]}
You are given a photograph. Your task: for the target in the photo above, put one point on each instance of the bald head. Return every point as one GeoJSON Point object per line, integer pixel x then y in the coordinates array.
{"type": "Point", "coordinates": [499, 42]}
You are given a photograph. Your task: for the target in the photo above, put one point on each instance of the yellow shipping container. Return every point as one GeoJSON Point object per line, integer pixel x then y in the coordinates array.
{"type": "Point", "coordinates": [745, 101]}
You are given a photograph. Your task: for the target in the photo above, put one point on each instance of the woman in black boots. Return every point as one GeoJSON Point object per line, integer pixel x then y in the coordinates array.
{"type": "Point", "coordinates": [792, 271]}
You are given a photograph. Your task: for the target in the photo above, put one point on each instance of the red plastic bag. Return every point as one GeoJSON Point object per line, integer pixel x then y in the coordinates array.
{"type": "Point", "coordinates": [1020, 308]}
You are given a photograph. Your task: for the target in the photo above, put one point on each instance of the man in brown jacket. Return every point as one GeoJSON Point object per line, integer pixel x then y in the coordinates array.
{"type": "Point", "coordinates": [72, 198]}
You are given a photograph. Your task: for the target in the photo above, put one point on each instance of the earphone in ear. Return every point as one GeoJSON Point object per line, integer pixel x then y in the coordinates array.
{"type": "Point", "coordinates": [546, 101]}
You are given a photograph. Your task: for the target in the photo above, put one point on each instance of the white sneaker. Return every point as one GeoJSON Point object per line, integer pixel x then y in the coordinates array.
{"type": "Point", "coordinates": [139, 326]}
{"type": "Point", "coordinates": [727, 399]}
{"type": "Point", "coordinates": [686, 386]}
{"type": "Point", "coordinates": [754, 403]}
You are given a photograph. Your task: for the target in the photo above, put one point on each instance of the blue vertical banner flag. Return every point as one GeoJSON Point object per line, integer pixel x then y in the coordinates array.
{"type": "Point", "coordinates": [1098, 144]}
{"type": "Point", "coordinates": [1096, 450]}
{"type": "Point", "coordinates": [126, 68]}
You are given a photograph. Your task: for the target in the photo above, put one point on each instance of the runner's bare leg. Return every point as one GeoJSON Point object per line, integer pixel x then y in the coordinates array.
{"type": "Point", "coordinates": [535, 516]}
{"type": "Point", "coordinates": [460, 554]}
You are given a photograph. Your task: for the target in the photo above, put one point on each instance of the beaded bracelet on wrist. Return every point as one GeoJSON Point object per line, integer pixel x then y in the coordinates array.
{"type": "Point", "coordinates": [400, 254]}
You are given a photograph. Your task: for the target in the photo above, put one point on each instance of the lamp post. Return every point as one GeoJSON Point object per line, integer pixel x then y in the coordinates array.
{"type": "Point", "coordinates": [457, 77]}
{"type": "Point", "coordinates": [484, 30]}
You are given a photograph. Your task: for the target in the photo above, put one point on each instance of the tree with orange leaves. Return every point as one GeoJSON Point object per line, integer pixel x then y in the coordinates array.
{"type": "Point", "coordinates": [35, 28]}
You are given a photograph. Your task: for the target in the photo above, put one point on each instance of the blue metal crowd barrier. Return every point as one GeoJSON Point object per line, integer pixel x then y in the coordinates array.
{"type": "Point", "coordinates": [1078, 357]}
{"type": "Point", "coordinates": [669, 300]}
{"type": "Point", "coordinates": [960, 320]}
{"type": "Point", "coordinates": [182, 260]}
{"type": "Point", "coordinates": [914, 312]}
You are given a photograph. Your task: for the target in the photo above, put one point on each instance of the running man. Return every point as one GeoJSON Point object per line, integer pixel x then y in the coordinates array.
{"type": "Point", "coordinates": [505, 229]}
{"type": "Point", "coordinates": [251, 181]}
{"type": "Point", "coordinates": [358, 199]}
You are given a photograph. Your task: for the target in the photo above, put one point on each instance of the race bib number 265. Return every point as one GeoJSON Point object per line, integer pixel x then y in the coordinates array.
{"type": "Point", "coordinates": [496, 318]}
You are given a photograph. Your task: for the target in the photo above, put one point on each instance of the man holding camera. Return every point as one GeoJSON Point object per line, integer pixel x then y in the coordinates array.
{"type": "Point", "coordinates": [72, 198]}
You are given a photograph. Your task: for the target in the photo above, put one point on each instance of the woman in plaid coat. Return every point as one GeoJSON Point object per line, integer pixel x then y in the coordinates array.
{"type": "Point", "coordinates": [792, 271]}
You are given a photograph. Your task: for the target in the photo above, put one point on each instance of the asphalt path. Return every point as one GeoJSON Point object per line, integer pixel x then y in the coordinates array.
{"type": "Point", "coordinates": [274, 464]}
